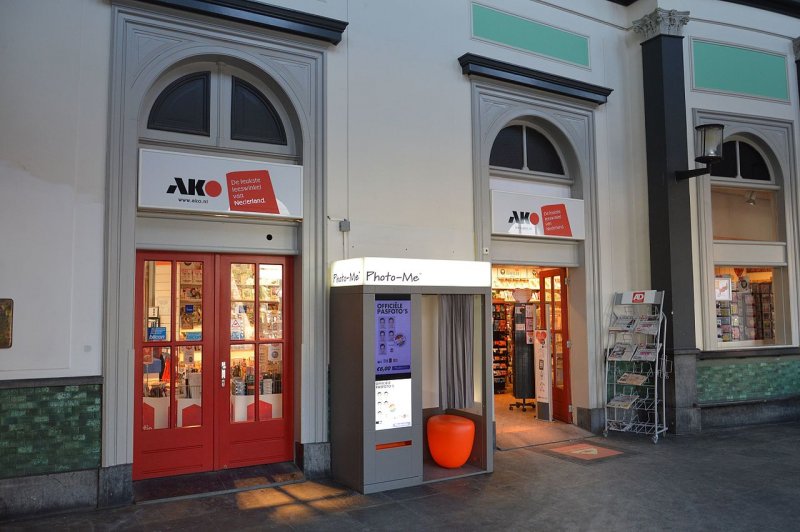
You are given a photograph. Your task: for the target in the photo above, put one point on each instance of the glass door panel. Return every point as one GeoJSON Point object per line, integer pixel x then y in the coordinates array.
{"type": "Point", "coordinates": [189, 394]}
{"type": "Point", "coordinates": [157, 315]}
{"type": "Point", "coordinates": [242, 383]}
{"type": "Point", "coordinates": [242, 305]}
{"type": "Point", "coordinates": [271, 377]}
{"type": "Point", "coordinates": [190, 301]}
{"type": "Point", "coordinates": [270, 283]}
{"type": "Point", "coordinates": [156, 387]}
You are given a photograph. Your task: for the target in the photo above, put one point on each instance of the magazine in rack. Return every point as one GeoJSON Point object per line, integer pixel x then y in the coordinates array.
{"type": "Point", "coordinates": [636, 365]}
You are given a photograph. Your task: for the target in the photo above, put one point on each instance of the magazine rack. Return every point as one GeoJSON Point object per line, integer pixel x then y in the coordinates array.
{"type": "Point", "coordinates": [635, 364]}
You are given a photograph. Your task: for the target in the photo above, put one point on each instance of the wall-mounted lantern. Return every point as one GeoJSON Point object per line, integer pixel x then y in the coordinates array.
{"type": "Point", "coordinates": [708, 144]}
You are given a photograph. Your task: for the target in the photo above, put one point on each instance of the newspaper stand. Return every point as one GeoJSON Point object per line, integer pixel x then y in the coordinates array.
{"type": "Point", "coordinates": [636, 364]}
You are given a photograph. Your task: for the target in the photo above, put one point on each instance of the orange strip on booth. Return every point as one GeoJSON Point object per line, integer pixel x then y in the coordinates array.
{"type": "Point", "coordinates": [392, 445]}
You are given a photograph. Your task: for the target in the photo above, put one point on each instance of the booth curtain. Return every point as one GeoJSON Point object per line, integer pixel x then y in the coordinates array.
{"type": "Point", "coordinates": [456, 322]}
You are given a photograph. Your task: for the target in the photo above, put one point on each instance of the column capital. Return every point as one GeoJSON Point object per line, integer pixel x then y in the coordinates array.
{"type": "Point", "coordinates": [661, 22]}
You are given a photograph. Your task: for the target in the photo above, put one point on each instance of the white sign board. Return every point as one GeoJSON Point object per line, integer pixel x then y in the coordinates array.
{"type": "Point", "coordinates": [537, 216]}
{"type": "Point", "coordinates": [392, 404]}
{"type": "Point", "coordinates": [171, 181]}
{"type": "Point", "coordinates": [379, 271]}
{"type": "Point", "coordinates": [541, 368]}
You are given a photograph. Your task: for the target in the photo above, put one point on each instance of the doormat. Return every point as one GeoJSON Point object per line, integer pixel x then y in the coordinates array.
{"type": "Point", "coordinates": [584, 452]}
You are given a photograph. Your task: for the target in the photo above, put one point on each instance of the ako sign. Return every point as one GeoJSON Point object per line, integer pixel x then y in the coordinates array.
{"type": "Point", "coordinates": [537, 216]}
{"type": "Point", "coordinates": [171, 181]}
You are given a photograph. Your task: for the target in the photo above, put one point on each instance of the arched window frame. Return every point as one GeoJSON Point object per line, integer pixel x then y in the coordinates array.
{"type": "Point", "coordinates": [528, 181]}
{"type": "Point", "coordinates": [525, 172]}
{"type": "Point", "coordinates": [220, 93]}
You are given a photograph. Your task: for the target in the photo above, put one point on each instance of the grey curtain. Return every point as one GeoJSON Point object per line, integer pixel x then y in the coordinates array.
{"type": "Point", "coordinates": [456, 322]}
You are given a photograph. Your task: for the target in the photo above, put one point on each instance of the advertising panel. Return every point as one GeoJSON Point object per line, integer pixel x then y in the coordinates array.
{"type": "Point", "coordinates": [171, 181]}
{"type": "Point", "coordinates": [528, 215]}
{"type": "Point", "coordinates": [392, 355]}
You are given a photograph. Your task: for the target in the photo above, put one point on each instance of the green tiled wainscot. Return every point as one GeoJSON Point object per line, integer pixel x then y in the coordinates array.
{"type": "Point", "coordinates": [746, 380]}
{"type": "Point", "coordinates": [49, 429]}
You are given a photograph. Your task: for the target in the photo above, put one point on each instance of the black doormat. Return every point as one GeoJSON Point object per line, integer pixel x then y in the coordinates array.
{"type": "Point", "coordinates": [216, 482]}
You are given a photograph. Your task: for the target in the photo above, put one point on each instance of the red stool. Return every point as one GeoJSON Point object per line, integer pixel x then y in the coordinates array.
{"type": "Point", "coordinates": [450, 439]}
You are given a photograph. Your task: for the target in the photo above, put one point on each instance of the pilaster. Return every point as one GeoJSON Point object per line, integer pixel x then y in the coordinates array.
{"type": "Point", "coordinates": [669, 202]}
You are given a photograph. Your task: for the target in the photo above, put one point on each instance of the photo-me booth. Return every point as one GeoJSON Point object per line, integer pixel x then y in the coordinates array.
{"type": "Point", "coordinates": [408, 343]}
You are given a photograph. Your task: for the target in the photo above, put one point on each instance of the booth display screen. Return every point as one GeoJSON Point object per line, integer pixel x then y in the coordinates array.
{"type": "Point", "coordinates": [392, 361]}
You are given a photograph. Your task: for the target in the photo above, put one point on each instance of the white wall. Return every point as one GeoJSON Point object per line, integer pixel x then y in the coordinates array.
{"type": "Point", "coordinates": [53, 116]}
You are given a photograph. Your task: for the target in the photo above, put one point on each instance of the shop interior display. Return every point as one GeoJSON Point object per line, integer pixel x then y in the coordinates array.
{"type": "Point", "coordinates": [523, 385]}
{"type": "Point", "coordinates": [501, 345]}
{"type": "Point", "coordinates": [636, 366]}
{"type": "Point", "coordinates": [744, 310]}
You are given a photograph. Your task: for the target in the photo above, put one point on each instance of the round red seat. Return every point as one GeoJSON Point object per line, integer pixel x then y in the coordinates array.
{"type": "Point", "coordinates": [450, 439]}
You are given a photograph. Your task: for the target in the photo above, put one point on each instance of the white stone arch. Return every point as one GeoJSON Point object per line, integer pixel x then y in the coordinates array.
{"type": "Point", "coordinates": [147, 44]}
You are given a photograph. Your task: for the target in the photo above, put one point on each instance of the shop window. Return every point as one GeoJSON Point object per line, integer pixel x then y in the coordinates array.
{"type": "Point", "coordinates": [524, 148]}
{"type": "Point", "coordinates": [183, 107]}
{"type": "Point", "coordinates": [253, 117]}
{"type": "Point", "coordinates": [746, 303]}
{"type": "Point", "coordinates": [750, 305]}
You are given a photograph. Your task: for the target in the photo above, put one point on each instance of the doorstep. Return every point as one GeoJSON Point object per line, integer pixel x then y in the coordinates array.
{"type": "Point", "coordinates": [215, 482]}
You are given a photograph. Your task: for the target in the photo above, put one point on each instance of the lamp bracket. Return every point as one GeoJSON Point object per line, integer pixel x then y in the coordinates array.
{"type": "Point", "coordinates": [680, 175]}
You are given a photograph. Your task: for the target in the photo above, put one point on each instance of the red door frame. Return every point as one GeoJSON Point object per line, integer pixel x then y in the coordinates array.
{"type": "Point", "coordinates": [259, 441]}
{"type": "Point", "coordinates": [216, 443]}
{"type": "Point", "coordinates": [562, 396]}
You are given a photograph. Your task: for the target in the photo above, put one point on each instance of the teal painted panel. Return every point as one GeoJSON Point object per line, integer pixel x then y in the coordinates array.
{"type": "Point", "coordinates": [528, 35]}
{"type": "Point", "coordinates": [748, 381]}
{"type": "Point", "coordinates": [50, 429]}
{"type": "Point", "coordinates": [740, 70]}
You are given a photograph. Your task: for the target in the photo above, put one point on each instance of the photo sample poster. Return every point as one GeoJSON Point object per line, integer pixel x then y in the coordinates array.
{"type": "Point", "coordinates": [392, 362]}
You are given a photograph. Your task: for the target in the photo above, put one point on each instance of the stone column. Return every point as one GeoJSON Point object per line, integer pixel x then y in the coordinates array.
{"type": "Point", "coordinates": [669, 203]}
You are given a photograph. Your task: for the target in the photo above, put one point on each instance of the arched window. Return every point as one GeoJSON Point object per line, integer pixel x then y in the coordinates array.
{"type": "Point", "coordinates": [220, 106]}
{"type": "Point", "coordinates": [525, 159]}
{"type": "Point", "coordinates": [253, 117]}
{"type": "Point", "coordinates": [183, 107]}
{"type": "Point", "coordinates": [523, 148]}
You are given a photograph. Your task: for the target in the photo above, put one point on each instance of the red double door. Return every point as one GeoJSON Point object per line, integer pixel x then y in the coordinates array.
{"type": "Point", "coordinates": [213, 373]}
